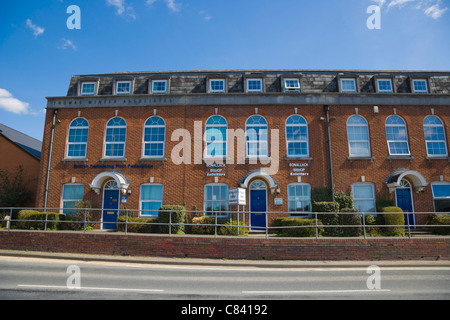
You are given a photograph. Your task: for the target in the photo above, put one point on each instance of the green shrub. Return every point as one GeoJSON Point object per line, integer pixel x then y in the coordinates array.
{"type": "Point", "coordinates": [298, 222]}
{"type": "Point", "coordinates": [38, 222]}
{"type": "Point", "coordinates": [441, 219]}
{"type": "Point", "coordinates": [394, 220]}
{"type": "Point", "coordinates": [227, 229]}
{"type": "Point", "coordinates": [137, 225]}
{"type": "Point", "coordinates": [199, 229]}
{"type": "Point", "coordinates": [174, 214]}
{"type": "Point", "coordinates": [72, 216]}
{"type": "Point", "coordinates": [345, 200]}
{"type": "Point", "coordinates": [328, 219]}
{"type": "Point", "coordinates": [349, 219]}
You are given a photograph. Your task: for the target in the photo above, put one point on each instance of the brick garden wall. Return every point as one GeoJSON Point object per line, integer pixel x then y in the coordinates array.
{"type": "Point", "coordinates": [229, 247]}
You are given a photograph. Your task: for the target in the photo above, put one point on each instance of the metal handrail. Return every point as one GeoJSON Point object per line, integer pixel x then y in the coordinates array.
{"type": "Point", "coordinates": [218, 220]}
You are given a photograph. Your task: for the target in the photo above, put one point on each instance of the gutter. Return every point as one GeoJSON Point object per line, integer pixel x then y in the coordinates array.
{"type": "Point", "coordinates": [50, 153]}
{"type": "Point", "coordinates": [330, 160]}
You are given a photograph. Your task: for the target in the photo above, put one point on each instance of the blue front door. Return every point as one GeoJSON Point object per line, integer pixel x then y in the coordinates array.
{"type": "Point", "coordinates": [404, 201]}
{"type": "Point", "coordinates": [258, 208]}
{"type": "Point", "coordinates": [110, 209]}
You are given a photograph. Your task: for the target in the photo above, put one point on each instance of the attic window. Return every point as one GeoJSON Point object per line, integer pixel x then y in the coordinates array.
{"type": "Point", "coordinates": [217, 85]}
{"type": "Point", "coordinates": [420, 86]}
{"type": "Point", "coordinates": [291, 85]}
{"type": "Point", "coordinates": [348, 85]}
{"type": "Point", "coordinates": [123, 87]}
{"type": "Point", "coordinates": [88, 88]}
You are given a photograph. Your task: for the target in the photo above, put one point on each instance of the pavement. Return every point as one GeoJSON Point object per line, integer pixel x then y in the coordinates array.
{"type": "Point", "coordinates": [223, 262]}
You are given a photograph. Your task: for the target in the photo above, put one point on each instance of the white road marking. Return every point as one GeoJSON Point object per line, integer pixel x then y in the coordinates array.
{"type": "Point", "coordinates": [318, 291]}
{"type": "Point", "coordinates": [88, 288]}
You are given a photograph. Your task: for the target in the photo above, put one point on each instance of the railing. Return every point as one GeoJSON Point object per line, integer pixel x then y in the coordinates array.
{"type": "Point", "coordinates": [10, 221]}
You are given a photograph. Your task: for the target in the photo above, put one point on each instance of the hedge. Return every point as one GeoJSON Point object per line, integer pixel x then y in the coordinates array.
{"type": "Point", "coordinates": [39, 224]}
{"type": "Point", "coordinates": [199, 229]}
{"type": "Point", "coordinates": [394, 220]}
{"type": "Point", "coordinates": [442, 219]}
{"type": "Point", "coordinates": [137, 225]}
{"type": "Point", "coordinates": [174, 214]}
{"type": "Point", "coordinates": [328, 219]}
{"type": "Point", "coordinates": [298, 222]}
{"type": "Point", "coordinates": [349, 219]}
{"type": "Point", "coordinates": [228, 230]}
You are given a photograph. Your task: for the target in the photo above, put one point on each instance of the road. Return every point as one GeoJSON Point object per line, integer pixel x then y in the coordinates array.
{"type": "Point", "coordinates": [35, 278]}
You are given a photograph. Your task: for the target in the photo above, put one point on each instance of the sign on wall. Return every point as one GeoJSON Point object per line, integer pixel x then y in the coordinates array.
{"type": "Point", "coordinates": [237, 197]}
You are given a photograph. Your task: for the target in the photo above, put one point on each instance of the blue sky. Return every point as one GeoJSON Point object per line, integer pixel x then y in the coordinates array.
{"type": "Point", "coordinates": [39, 54]}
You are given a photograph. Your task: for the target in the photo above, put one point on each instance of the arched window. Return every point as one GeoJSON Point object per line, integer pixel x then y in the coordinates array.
{"type": "Point", "coordinates": [435, 136]}
{"type": "Point", "coordinates": [358, 136]}
{"type": "Point", "coordinates": [397, 136]}
{"type": "Point", "coordinates": [297, 136]}
{"type": "Point", "coordinates": [115, 138]}
{"type": "Point", "coordinates": [256, 132]}
{"type": "Point", "coordinates": [154, 137]}
{"type": "Point", "coordinates": [77, 138]}
{"type": "Point", "coordinates": [216, 137]}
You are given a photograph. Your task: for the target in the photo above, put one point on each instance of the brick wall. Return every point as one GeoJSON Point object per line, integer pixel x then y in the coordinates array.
{"type": "Point", "coordinates": [184, 184]}
{"type": "Point", "coordinates": [229, 247]}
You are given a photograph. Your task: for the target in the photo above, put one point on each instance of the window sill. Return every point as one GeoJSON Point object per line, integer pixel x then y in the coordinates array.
{"type": "Point", "coordinates": [84, 160]}
{"type": "Point", "coordinates": [351, 159]}
{"type": "Point", "coordinates": [254, 160]}
{"type": "Point", "coordinates": [438, 158]}
{"type": "Point", "coordinates": [160, 159]}
{"type": "Point", "coordinates": [112, 159]}
{"type": "Point", "coordinates": [294, 158]}
{"type": "Point", "coordinates": [400, 157]}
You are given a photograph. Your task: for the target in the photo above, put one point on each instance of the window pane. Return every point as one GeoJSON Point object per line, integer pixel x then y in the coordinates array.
{"type": "Point", "coordinates": [441, 191]}
{"type": "Point", "coordinates": [73, 192]}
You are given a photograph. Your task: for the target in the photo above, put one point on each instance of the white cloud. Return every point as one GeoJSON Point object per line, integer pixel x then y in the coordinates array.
{"type": "Point", "coordinates": [174, 6]}
{"type": "Point", "coordinates": [37, 31]}
{"type": "Point", "coordinates": [66, 44]}
{"type": "Point", "coordinates": [398, 3]}
{"type": "Point", "coordinates": [11, 104]}
{"type": "Point", "coordinates": [380, 3]}
{"type": "Point", "coordinates": [122, 8]}
{"type": "Point", "coordinates": [435, 11]}
{"type": "Point", "coordinates": [171, 4]}
{"type": "Point", "coordinates": [205, 15]}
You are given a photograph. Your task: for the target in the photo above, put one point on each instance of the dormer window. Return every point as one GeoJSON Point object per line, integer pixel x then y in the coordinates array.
{"type": "Point", "coordinates": [291, 85]}
{"type": "Point", "coordinates": [348, 85]}
{"type": "Point", "coordinates": [385, 86]}
{"type": "Point", "coordinates": [254, 85]}
{"type": "Point", "coordinates": [419, 86]}
{"type": "Point", "coordinates": [159, 86]}
{"type": "Point", "coordinates": [88, 88]}
{"type": "Point", "coordinates": [216, 85]}
{"type": "Point", "coordinates": [123, 87]}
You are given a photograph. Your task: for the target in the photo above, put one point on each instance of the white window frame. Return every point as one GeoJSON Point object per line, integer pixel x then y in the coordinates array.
{"type": "Point", "coordinates": [261, 84]}
{"type": "Point", "coordinates": [402, 141]}
{"type": "Point", "coordinates": [123, 82]}
{"type": "Point", "coordinates": [304, 199]}
{"type": "Point", "coordinates": [373, 199]}
{"type": "Point", "coordinates": [414, 81]}
{"type": "Point", "coordinates": [211, 126]}
{"type": "Point", "coordinates": [297, 141]}
{"type": "Point", "coordinates": [266, 142]}
{"type": "Point", "coordinates": [68, 144]}
{"type": "Point", "coordinates": [366, 126]}
{"type": "Point", "coordinates": [442, 183]}
{"type": "Point", "coordinates": [69, 200]}
{"type": "Point", "coordinates": [144, 143]}
{"type": "Point", "coordinates": [295, 88]}
{"type": "Point", "coordinates": [444, 141]}
{"type": "Point", "coordinates": [154, 214]}
{"type": "Point", "coordinates": [391, 90]}
{"type": "Point", "coordinates": [159, 91]}
{"type": "Point", "coordinates": [212, 213]}
{"type": "Point", "coordinates": [88, 83]}
{"type": "Point", "coordinates": [342, 80]}
{"type": "Point", "coordinates": [211, 90]}
{"type": "Point", "coordinates": [105, 143]}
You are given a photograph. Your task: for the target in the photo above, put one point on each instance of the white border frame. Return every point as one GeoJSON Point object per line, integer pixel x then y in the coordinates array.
{"type": "Point", "coordinates": [291, 141]}
{"type": "Point", "coordinates": [358, 141]}
{"type": "Point", "coordinates": [124, 143]}
{"type": "Point", "coordinates": [144, 142]}
{"type": "Point", "coordinates": [67, 139]}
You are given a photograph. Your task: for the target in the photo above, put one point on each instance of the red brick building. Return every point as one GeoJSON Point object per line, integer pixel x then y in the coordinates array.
{"type": "Point", "coordinates": [139, 140]}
